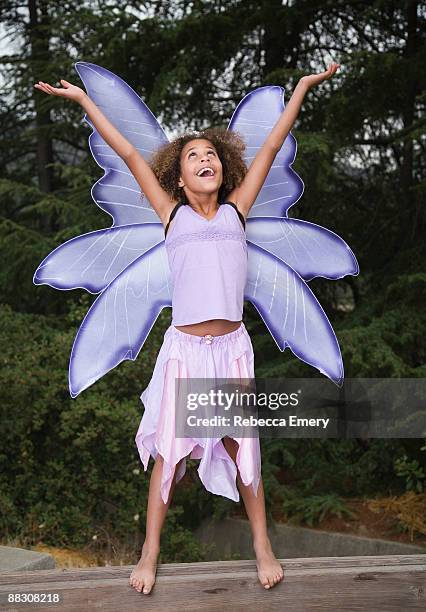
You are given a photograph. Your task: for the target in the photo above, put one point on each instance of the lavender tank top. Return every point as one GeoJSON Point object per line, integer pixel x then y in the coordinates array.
{"type": "Point", "coordinates": [208, 264]}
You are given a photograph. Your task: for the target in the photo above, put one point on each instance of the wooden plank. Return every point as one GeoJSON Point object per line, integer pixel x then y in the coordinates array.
{"type": "Point", "coordinates": [390, 582]}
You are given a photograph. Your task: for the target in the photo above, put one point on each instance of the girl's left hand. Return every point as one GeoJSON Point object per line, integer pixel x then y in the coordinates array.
{"type": "Point", "coordinates": [315, 79]}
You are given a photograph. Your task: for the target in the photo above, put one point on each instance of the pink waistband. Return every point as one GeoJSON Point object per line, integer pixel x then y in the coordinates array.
{"type": "Point", "coordinates": [207, 338]}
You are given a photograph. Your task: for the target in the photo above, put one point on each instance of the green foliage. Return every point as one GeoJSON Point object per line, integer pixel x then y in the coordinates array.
{"type": "Point", "coordinates": [178, 544]}
{"type": "Point", "coordinates": [25, 240]}
{"type": "Point", "coordinates": [412, 471]}
{"type": "Point", "coordinates": [69, 469]}
{"type": "Point", "coordinates": [314, 508]}
{"type": "Point", "coordinates": [348, 467]}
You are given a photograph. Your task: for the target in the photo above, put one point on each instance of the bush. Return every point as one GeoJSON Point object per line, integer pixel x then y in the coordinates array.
{"type": "Point", "coordinates": [69, 468]}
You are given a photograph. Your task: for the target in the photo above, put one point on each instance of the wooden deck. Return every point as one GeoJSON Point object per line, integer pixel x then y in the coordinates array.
{"type": "Point", "coordinates": [383, 583]}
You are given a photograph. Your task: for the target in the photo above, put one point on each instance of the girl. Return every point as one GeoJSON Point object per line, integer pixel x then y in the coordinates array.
{"type": "Point", "coordinates": [202, 192]}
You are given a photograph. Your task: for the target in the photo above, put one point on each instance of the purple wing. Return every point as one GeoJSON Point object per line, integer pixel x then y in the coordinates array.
{"type": "Point", "coordinates": [127, 262]}
{"type": "Point", "coordinates": [284, 252]}
{"type": "Point", "coordinates": [93, 260]}
{"type": "Point", "coordinates": [120, 319]}
{"type": "Point", "coordinates": [311, 250]}
{"type": "Point", "coordinates": [254, 118]}
{"type": "Point", "coordinates": [292, 313]}
{"type": "Point", "coordinates": [117, 192]}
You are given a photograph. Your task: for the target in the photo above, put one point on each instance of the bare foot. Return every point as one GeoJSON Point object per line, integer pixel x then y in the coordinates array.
{"type": "Point", "coordinates": [269, 569]}
{"type": "Point", "coordinates": [143, 575]}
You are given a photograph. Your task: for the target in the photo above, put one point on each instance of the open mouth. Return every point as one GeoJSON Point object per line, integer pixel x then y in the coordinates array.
{"type": "Point", "coordinates": [206, 172]}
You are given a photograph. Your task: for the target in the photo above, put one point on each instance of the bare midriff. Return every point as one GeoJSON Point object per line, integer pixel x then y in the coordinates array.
{"type": "Point", "coordinates": [215, 327]}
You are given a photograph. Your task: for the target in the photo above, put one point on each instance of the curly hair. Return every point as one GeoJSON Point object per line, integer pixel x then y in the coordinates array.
{"type": "Point", "coordinates": [230, 148]}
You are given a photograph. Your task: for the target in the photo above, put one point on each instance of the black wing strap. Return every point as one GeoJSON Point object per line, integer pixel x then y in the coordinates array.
{"type": "Point", "coordinates": [238, 213]}
{"type": "Point", "coordinates": [172, 214]}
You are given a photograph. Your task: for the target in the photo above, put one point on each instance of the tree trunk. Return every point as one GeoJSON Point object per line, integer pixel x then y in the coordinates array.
{"type": "Point", "coordinates": [39, 45]}
{"type": "Point", "coordinates": [408, 118]}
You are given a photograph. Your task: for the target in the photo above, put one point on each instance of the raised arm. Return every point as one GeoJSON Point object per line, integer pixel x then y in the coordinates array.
{"type": "Point", "coordinates": [246, 193]}
{"type": "Point", "coordinates": [145, 177]}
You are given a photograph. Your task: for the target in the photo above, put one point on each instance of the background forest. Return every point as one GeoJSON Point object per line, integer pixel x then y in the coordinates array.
{"type": "Point", "coordinates": [70, 474]}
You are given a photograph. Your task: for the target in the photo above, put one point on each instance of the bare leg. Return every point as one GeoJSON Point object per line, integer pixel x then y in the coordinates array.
{"type": "Point", "coordinates": [269, 569]}
{"type": "Point", "coordinates": [143, 575]}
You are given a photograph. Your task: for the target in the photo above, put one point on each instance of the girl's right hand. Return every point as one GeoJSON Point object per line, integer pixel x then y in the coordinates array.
{"type": "Point", "coordinates": [69, 91]}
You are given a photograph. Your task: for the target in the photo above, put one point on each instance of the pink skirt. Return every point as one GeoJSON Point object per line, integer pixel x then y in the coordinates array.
{"type": "Point", "coordinates": [185, 355]}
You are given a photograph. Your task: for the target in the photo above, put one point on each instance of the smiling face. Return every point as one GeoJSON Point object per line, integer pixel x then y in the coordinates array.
{"type": "Point", "coordinates": [200, 167]}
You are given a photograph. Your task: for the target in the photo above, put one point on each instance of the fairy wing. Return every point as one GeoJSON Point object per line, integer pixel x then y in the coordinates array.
{"type": "Point", "coordinates": [130, 252]}
{"type": "Point", "coordinates": [310, 249]}
{"type": "Point", "coordinates": [117, 192]}
{"type": "Point", "coordinates": [284, 252]}
{"type": "Point", "coordinates": [120, 319]}
{"type": "Point", "coordinates": [292, 313]}
{"type": "Point", "coordinates": [254, 118]}
{"type": "Point", "coordinates": [93, 260]}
